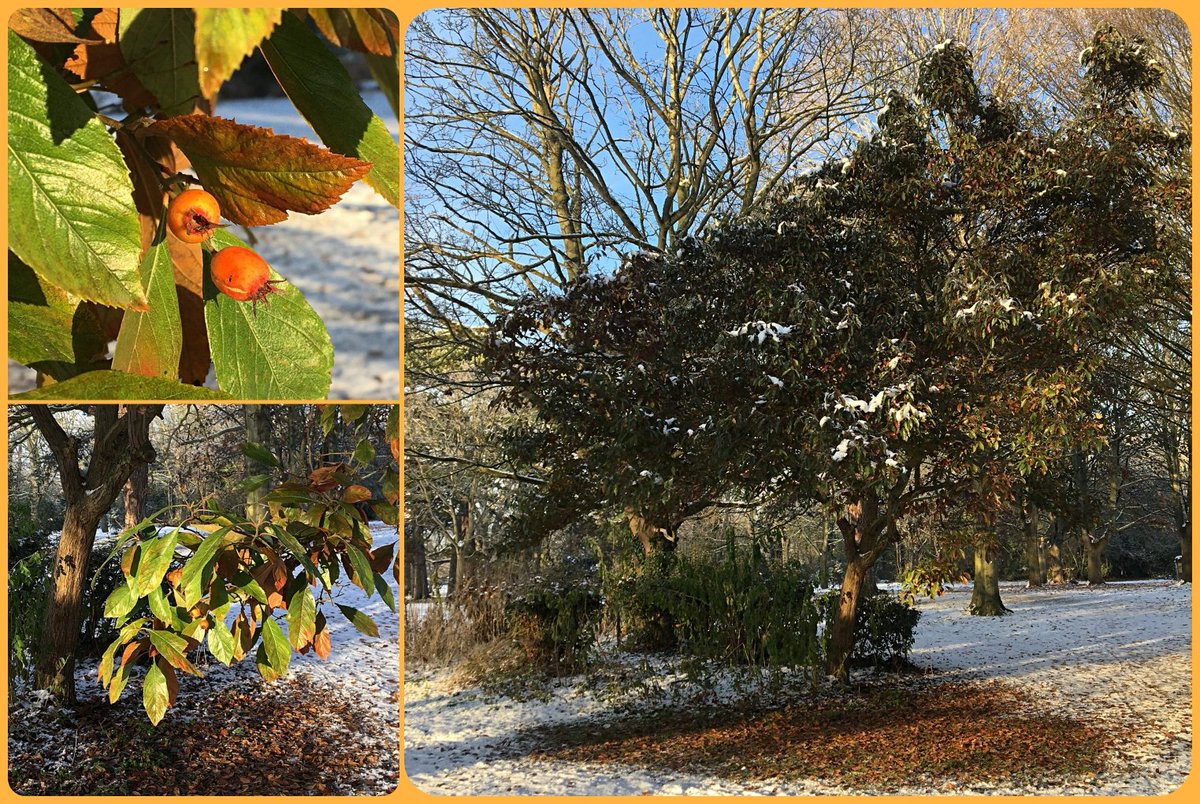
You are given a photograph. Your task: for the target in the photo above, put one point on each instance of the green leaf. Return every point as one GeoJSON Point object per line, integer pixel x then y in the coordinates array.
{"type": "Point", "coordinates": [48, 329]}
{"type": "Point", "coordinates": [71, 216]}
{"type": "Point", "coordinates": [163, 610]}
{"type": "Point", "coordinates": [120, 602]}
{"type": "Point", "coordinates": [220, 641]}
{"type": "Point", "coordinates": [119, 681]}
{"type": "Point", "coordinates": [173, 648]}
{"type": "Point", "coordinates": [196, 571]}
{"type": "Point", "coordinates": [158, 44]}
{"type": "Point", "coordinates": [324, 93]}
{"type": "Point", "coordinates": [329, 418]}
{"type": "Point", "coordinates": [281, 352]}
{"type": "Point", "coordinates": [150, 343]}
{"type": "Point", "coordinates": [155, 561]}
{"type": "Point", "coordinates": [385, 592]}
{"type": "Point", "coordinates": [225, 36]}
{"type": "Point", "coordinates": [257, 452]}
{"type": "Point", "coordinates": [295, 548]}
{"type": "Point", "coordinates": [386, 72]}
{"type": "Point", "coordinates": [155, 695]}
{"type": "Point", "coordinates": [274, 654]}
{"type": "Point", "coordinates": [359, 620]}
{"type": "Point", "coordinates": [245, 583]}
{"type": "Point", "coordinates": [364, 453]}
{"type": "Point", "coordinates": [106, 661]}
{"type": "Point", "coordinates": [120, 386]}
{"type": "Point", "coordinates": [302, 618]}
{"type": "Point", "coordinates": [364, 578]}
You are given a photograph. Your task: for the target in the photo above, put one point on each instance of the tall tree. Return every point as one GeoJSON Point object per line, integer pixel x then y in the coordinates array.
{"type": "Point", "coordinates": [92, 472]}
{"type": "Point", "coordinates": [910, 328]}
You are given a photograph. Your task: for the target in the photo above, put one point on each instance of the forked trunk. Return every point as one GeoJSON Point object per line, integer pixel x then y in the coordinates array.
{"type": "Point", "coordinates": [985, 599]}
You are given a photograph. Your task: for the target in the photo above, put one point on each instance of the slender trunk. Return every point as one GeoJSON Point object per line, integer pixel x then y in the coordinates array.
{"type": "Point", "coordinates": [60, 622]}
{"type": "Point", "coordinates": [1035, 560]}
{"type": "Point", "coordinates": [256, 431]}
{"type": "Point", "coordinates": [985, 599]}
{"type": "Point", "coordinates": [135, 495]}
{"type": "Point", "coordinates": [416, 571]}
{"type": "Point", "coordinates": [1054, 563]}
{"type": "Point", "coordinates": [1095, 555]}
{"type": "Point", "coordinates": [841, 633]}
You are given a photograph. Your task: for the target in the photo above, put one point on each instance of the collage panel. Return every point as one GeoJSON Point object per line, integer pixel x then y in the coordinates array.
{"type": "Point", "coordinates": [798, 401]}
{"type": "Point", "coordinates": [203, 204]}
{"type": "Point", "coordinates": [202, 599]}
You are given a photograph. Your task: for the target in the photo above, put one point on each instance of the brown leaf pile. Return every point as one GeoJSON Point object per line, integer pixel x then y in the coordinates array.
{"type": "Point", "coordinates": [289, 738]}
{"type": "Point", "coordinates": [876, 739]}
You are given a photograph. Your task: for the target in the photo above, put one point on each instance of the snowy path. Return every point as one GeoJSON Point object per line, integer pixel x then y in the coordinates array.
{"type": "Point", "coordinates": [1120, 654]}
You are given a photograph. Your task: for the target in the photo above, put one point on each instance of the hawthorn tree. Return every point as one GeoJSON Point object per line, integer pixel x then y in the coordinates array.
{"type": "Point", "coordinates": [111, 115]}
{"type": "Point", "coordinates": [905, 330]}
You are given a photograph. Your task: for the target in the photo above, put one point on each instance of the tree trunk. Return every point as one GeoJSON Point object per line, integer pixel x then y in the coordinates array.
{"type": "Point", "coordinates": [416, 570]}
{"type": "Point", "coordinates": [256, 430]}
{"type": "Point", "coordinates": [1035, 558]}
{"type": "Point", "coordinates": [61, 620]}
{"type": "Point", "coordinates": [1095, 554]}
{"type": "Point", "coordinates": [1054, 563]}
{"type": "Point", "coordinates": [985, 599]}
{"type": "Point", "coordinates": [841, 634]}
{"type": "Point", "coordinates": [135, 495]}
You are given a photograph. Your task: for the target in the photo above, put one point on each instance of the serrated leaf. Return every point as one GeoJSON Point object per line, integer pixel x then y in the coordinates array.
{"type": "Point", "coordinates": [158, 45]}
{"type": "Point", "coordinates": [257, 452]}
{"type": "Point", "coordinates": [150, 343]}
{"type": "Point", "coordinates": [155, 696]}
{"type": "Point", "coordinates": [224, 37]}
{"type": "Point", "coordinates": [48, 330]}
{"type": "Point", "coordinates": [323, 92]}
{"type": "Point", "coordinates": [70, 200]}
{"type": "Point", "coordinates": [282, 351]}
{"type": "Point", "coordinates": [367, 30]}
{"type": "Point", "coordinates": [359, 620]}
{"type": "Point", "coordinates": [173, 648]}
{"type": "Point", "coordinates": [257, 175]}
{"type": "Point", "coordinates": [220, 641]}
{"type": "Point", "coordinates": [120, 386]}
{"type": "Point", "coordinates": [156, 555]}
{"type": "Point", "coordinates": [45, 24]}
{"type": "Point", "coordinates": [274, 654]}
{"type": "Point", "coordinates": [302, 618]}
{"type": "Point", "coordinates": [120, 602]}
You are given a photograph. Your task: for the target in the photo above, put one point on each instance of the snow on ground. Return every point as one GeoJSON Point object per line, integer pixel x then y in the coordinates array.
{"type": "Point", "coordinates": [346, 262]}
{"type": "Point", "coordinates": [1117, 654]}
{"type": "Point", "coordinates": [362, 672]}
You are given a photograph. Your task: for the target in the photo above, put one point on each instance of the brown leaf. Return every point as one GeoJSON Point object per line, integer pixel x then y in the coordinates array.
{"type": "Point", "coordinates": [367, 30]}
{"type": "Point", "coordinates": [45, 25]}
{"type": "Point", "coordinates": [172, 680]}
{"type": "Point", "coordinates": [381, 557]}
{"type": "Point", "coordinates": [100, 59]}
{"type": "Point", "coordinates": [356, 494]}
{"type": "Point", "coordinates": [257, 175]}
{"type": "Point", "coordinates": [321, 642]}
{"type": "Point", "coordinates": [321, 479]}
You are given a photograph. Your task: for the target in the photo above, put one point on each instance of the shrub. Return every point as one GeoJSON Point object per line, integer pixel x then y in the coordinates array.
{"type": "Point", "coordinates": [884, 628]}
{"type": "Point", "coordinates": [28, 581]}
{"type": "Point", "coordinates": [442, 631]}
{"type": "Point", "coordinates": [738, 610]}
{"type": "Point", "coordinates": [555, 623]}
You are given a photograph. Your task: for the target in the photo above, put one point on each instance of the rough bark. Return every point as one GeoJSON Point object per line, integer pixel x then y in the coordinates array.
{"type": "Point", "coordinates": [119, 443]}
{"type": "Point", "coordinates": [1054, 565]}
{"type": "Point", "coordinates": [865, 534]}
{"type": "Point", "coordinates": [416, 568]}
{"type": "Point", "coordinates": [257, 424]}
{"type": "Point", "coordinates": [985, 599]}
{"type": "Point", "coordinates": [1095, 556]}
{"type": "Point", "coordinates": [135, 494]}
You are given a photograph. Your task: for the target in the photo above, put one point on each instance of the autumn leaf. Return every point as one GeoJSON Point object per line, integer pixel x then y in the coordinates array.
{"type": "Point", "coordinates": [257, 175]}
{"type": "Point", "coordinates": [101, 60]}
{"type": "Point", "coordinates": [367, 30]}
{"type": "Point", "coordinates": [45, 25]}
{"type": "Point", "coordinates": [224, 37]}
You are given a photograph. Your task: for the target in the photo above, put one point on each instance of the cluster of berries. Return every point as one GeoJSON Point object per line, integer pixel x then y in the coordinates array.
{"type": "Point", "coordinates": [238, 272]}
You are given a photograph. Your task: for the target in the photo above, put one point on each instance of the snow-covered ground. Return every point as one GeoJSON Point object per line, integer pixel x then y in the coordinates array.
{"type": "Point", "coordinates": [362, 674]}
{"type": "Point", "coordinates": [346, 262]}
{"type": "Point", "coordinates": [1120, 655]}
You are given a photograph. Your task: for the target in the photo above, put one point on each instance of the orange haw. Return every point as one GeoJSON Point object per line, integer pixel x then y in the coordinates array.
{"type": "Point", "coordinates": [193, 216]}
{"type": "Point", "coordinates": [242, 275]}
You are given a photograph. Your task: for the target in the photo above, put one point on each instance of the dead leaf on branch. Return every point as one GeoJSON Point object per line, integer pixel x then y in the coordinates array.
{"type": "Point", "coordinates": [258, 176]}
{"type": "Point", "coordinates": [45, 25]}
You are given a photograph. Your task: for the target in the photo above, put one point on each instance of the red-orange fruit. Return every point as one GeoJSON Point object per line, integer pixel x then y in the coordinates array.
{"type": "Point", "coordinates": [241, 274]}
{"type": "Point", "coordinates": [193, 216]}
